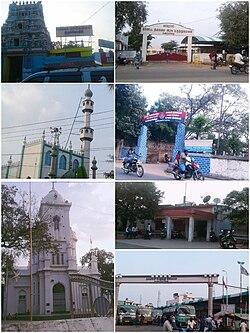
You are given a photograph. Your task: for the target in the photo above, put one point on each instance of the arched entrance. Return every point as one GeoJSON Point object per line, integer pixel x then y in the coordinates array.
{"type": "Point", "coordinates": [59, 302]}
{"type": "Point", "coordinates": [162, 117]}
{"type": "Point", "coordinates": [166, 29]}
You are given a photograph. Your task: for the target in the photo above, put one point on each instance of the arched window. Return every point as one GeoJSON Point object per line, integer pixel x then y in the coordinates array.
{"type": "Point", "coordinates": [59, 303]}
{"type": "Point", "coordinates": [48, 158]}
{"type": "Point", "coordinates": [75, 165]}
{"type": "Point", "coordinates": [62, 162]}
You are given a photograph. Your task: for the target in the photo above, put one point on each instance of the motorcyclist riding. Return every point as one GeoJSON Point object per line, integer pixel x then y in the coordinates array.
{"type": "Point", "coordinates": [129, 156]}
{"type": "Point", "coordinates": [238, 58]}
{"type": "Point", "coordinates": [182, 161]}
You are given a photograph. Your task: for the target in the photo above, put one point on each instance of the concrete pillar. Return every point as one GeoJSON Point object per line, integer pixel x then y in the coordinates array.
{"type": "Point", "coordinates": [189, 50]}
{"type": "Point", "coordinates": [142, 143]}
{"type": "Point", "coordinates": [117, 286]}
{"type": "Point", "coordinates": [169, 227]}
{"type": "Point", "coordinates": [190, 229]}
{"type": "Point", "coordinates": [210, 297]}
{"type": "Point", "coordinates": [209, 228]}
{"type": "Point", "coordinates": [144, 47]}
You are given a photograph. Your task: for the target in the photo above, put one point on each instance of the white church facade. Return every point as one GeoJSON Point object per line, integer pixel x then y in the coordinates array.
{"type": "Point", "coordinates": [50, 284]}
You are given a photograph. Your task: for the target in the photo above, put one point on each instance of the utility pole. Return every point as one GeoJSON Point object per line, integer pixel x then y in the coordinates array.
{"type": "Point", "coordinates": [31, 255]}
{"type": "Point", "coordinates": [56, 134]}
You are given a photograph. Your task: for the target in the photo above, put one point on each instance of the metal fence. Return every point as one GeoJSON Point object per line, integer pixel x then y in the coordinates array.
{"type": "Point", "coordinates": [91, 297]}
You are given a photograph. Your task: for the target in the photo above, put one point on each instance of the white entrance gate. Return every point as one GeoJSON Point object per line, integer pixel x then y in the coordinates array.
{"type": "Point", "coordinates": [166, 29]}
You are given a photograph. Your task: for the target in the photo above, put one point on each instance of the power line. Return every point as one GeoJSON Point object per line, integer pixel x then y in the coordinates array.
{"type": "Point", "coordinates": [53, 120]}
{"type": "Point", "coordinates": [38, 130]}
{"type": "Point", "coordinates": [97, 11]}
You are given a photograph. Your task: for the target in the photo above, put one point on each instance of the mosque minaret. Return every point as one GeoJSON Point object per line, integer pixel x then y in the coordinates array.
{"type": "Point", "coordinates": [86, 132]}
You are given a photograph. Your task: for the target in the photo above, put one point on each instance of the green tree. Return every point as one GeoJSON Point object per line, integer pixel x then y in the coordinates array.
{"type": "Point", "coordinates": [238, 204]}
{"type": "Point", "coordinates": [131, 14]}
{"type": "Point", "coordinates": [234, 23]}
{"type": "Point", "coordinates": [15, 235]}
{"type": "Point", "coordinates": [200, 125]}
{"type": "Point", "coordinates": [169, 46]}
{"type": "Point", "coordinates": [130, 107]}
{"type": "Point", "coordinates": [135, 201]}
{"type": "Point", "coordinates": [81, 172]}
{"type": "Point", "coordinates": [162, 132]}
{"type": "Point", "coordinates": [104, 261]}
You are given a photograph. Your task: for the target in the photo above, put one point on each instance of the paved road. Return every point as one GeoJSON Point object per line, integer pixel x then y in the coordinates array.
{"type": "Point", "coordinates": [138, 328]}
{"type": "Point", "coordinates": [157, 243]}
{"type": "Point", "coordinates": [151, 172]}
{"type": "Point", "coordinates": [177, 72]}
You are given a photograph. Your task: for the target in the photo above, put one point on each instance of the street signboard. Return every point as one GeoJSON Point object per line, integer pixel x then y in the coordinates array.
{"type": "Point", "coordinates": [106, 43]}
{"type": "Point", "coordinates": [77, 30]}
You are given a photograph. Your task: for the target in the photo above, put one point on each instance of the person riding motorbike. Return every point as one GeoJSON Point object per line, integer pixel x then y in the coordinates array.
{"type": "Point", "coordinates": [182, 160]}
{"type": "Point", "coordinates": [238, 59]}
{"type": "Point", "coordinates": [129, 157]}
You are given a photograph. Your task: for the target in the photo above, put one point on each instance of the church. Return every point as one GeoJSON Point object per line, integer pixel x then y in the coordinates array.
{"type": "Point", "coordinates": [57, 285]}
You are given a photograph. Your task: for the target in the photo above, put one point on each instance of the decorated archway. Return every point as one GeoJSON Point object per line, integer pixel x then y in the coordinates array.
{"type": "Point", "coordinates": [162, 117]}
{"type": "Point", "coordinates": [166, 29]}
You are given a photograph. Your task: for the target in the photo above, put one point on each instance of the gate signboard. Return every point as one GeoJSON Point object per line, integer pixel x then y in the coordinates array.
{"type": "Point", "coordinates": [165, 116]}
{"type": "Point", "coordinates": [167, 29]}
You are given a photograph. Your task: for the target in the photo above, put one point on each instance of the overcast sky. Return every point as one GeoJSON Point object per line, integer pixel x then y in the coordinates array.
{"type": "Point", "coordinates": [200, 16]}
{"type": "Point", "coordinates": [152, 91]}
{"type": "Point", "coordinates": [196, 191]}
{"type": "Point", "coordinates": [57, 13]}
{"type": "Point", "coordinates": [31, 104]}
{"type": "Point", "coordinates": [150, 262]}
{"type": "Point", "coordinates": [85, 219]}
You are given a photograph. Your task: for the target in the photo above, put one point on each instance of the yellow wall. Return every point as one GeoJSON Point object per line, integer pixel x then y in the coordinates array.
{"type": "Point", "coordinates": [84, 51]}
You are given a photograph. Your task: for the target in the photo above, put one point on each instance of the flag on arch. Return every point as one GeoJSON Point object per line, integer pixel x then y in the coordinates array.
{"type": "Point", "coordinates": [243, 271]}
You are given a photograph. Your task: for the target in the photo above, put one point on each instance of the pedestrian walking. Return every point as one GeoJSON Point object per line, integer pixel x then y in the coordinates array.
{"type": "Point", "coordinates": [213, 58]}
{"type": "Point", "coordinates": [167, 327]}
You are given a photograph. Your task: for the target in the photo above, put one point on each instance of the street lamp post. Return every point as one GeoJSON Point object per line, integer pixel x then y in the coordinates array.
{"type": "Point", "coordinates": [226, 289]}
{"type": "Point", "coordinates": [240, 263]}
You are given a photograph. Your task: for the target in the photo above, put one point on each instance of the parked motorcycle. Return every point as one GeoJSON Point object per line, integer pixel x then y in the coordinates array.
{"type": "Point", "coordinates": [238, 68]}
{"type": "Point", "coordinates": [177, 235]}
{"type": "Point", "coordinates": [148, 234]}
{"type": "Point", "coordinates": [163, 233]}
{"type": "Point", "coordinates": [212, 237]}
{"type": "Point", "coordinates": [227, 240]}
{"type": "Point", "coordinates": [134, 165]}
{"type": "Point", "coordinates": [192, 170]}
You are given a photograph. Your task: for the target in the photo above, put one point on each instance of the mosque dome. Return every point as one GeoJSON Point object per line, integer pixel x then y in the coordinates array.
{"type": "Point", "coordinates": [53, 197]}
{"type": "Point", "coordinates": [88, 93]}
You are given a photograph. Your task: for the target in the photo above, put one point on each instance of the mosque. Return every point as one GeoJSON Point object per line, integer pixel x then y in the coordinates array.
{"type": "Point", "coordinates": [43, 159]}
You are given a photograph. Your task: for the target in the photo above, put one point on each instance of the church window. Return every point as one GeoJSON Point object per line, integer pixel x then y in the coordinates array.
{"type": "Point", "coordinates": [62, 162]}
{"type": "Point", "coordinates": [56, 220]}
{"type": "Point", "coordinates": [48, 158]}
{"type": "Point", "coordinates": [53, 259]}
{"type": "Point", "coordinates": [62, 258]}
{"type": "Point", "coordinates": [58, 259]}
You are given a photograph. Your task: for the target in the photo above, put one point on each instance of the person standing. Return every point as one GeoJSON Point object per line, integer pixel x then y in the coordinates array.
{"type": "Point", "coordinates": [243, 326]}
{"type": "Point", "coordinates": [213, 58]}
